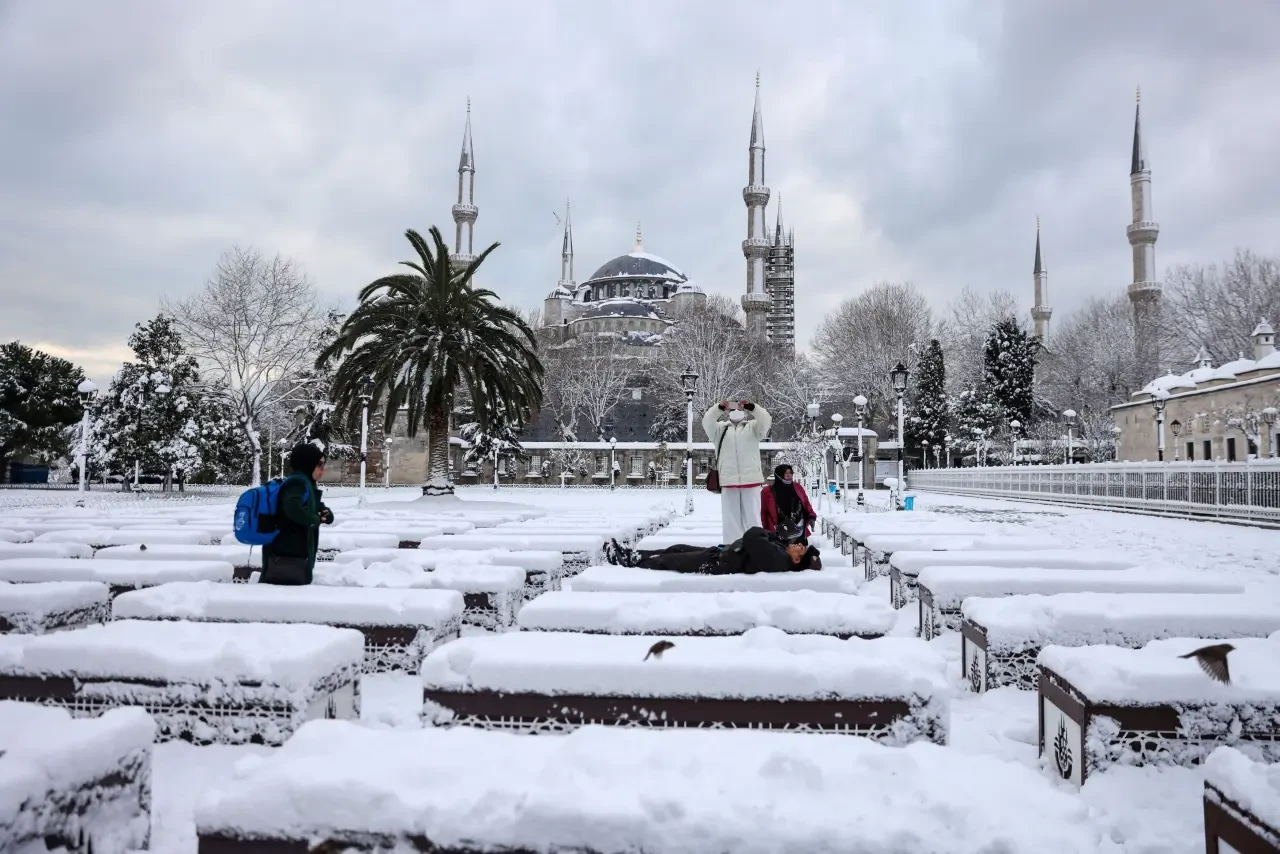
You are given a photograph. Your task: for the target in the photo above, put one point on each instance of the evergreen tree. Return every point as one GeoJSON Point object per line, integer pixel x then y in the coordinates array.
{"type": "Point", "coordinates": [38, 401]}
{"type": "Point", "coordinates": [978, 416]}
{"type": "Point", "coordinates": [1009, 361]}
{"type": "Point", "coordinates": [929, 415]}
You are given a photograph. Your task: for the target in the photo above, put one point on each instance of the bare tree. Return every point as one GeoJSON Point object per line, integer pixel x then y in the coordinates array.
{"type": "Point", "coordinates": [711, 339]}
{"type": "Point", "coordinates": [963, 333]}
{"type": "Point", "coordinates": [1218, 308]}
{"type": "Point", "coordinates": [858, 345]}
{"type": "Point", "coordinates": [600, 372]}
{"type": "Point", "coordinates": [787, 386]}
{"type": "Point", "coordinates": [255, 329]}
{"type": "Point", "coordinates": [1090, 364]}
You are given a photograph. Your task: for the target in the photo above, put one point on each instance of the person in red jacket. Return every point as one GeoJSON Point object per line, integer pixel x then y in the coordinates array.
{"type": "Point", "coordinates": [784, 506]}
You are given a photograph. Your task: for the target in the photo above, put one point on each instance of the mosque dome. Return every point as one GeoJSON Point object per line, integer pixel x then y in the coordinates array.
{"type": "Point", "coordinates": [639, 264]}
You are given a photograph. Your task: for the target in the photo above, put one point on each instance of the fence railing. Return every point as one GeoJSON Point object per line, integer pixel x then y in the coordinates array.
{"type": "Point", "coordinates": [1240, 492]}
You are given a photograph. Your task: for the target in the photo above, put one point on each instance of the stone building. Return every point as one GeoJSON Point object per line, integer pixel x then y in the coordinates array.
{"type": "Point", "coordinates": [1226, 413]}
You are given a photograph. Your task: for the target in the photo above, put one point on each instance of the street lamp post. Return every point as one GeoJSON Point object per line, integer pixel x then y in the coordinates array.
{"type": "Point", "coordinates": [613, 462]}
{"type": "Point", "coordinates": [1014, 426]}
{"type": "Point", "coordinates": [1157, 402]}
{"type": "Point", "coordinates": [689, 381]}
{"type": "Point", "coordinates": [898, 376]}
{"type": "Point", "coordinates": [1273, 438]}
{"type": "Point", "coordinates": [1115, 432]}
{"type": "Point", "coordinates": [1070, 416]}
{"type": "Point", "coordinates": [1176, 427]}
{"type": "Point", "coordinates": [87, 390]}
{"type": "Point", "coordinates": [366, 394]}
{"type": "Point", "coordinates": [860, 405]}
{"type": "Point", "coordinates": [837, 447]}
{"type": "Point", "coordinates": [386, 463]}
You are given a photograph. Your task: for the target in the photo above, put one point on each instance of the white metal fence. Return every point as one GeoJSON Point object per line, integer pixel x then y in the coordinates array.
{"type": "Point", "coordinates": [1239, 492]}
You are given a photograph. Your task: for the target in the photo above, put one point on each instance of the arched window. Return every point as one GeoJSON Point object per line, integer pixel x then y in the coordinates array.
{"type": "Point", "coordinates": [653, 292]}
{"type": "Point", "coordinates": [613, 290]}
{"type": "Point", "coordinates": [626, 290]}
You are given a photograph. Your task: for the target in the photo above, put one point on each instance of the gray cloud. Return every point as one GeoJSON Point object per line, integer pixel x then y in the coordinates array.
{"type": "Point", "coordinates": [908, 140]}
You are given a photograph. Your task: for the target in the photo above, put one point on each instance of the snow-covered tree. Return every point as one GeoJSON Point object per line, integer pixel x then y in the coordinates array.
{"type": "Point", "coordinates": [253, 328]}
{"type": "Point", "coordinates": [501, 435]}
{"type": "Point", "coordinates": [710, 338]}
{"type": "Point", "coordinates": [978, 419]}
{"type": "Point", "coordinates": [1009, 358]}
{"type": "Point", "coordinates": [929, 410]}
{"type": "Point", "coordinates": [1217, 306]}
{"type": "Point", "coordinates": [38, 401]}
{"type": "Point", "coordinates": [964, 329]}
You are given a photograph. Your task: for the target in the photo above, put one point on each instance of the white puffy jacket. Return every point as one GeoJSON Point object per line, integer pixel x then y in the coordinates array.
{"type": "Point", "coordinates": [739, 461]}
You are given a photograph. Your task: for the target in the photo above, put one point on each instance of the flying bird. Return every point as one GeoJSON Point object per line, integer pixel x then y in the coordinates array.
{"type": "Point", "coordinates": [1213, 660]}
{"type": "Point", "coordinates": [658, 649]}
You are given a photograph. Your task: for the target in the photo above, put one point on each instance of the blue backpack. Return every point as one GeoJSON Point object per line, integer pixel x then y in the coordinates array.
{"type": "Point", "coordinates": [255, 520]}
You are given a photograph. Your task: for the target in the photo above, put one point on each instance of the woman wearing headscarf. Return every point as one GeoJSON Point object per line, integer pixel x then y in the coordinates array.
{"type": "Point", "coordinates": [737, 440]}
{"type": "Point", "coordinates": [784, 506]}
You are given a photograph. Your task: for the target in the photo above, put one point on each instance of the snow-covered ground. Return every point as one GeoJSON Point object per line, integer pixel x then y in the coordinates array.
{"type": "Point", "coordinates": [1136, 810]}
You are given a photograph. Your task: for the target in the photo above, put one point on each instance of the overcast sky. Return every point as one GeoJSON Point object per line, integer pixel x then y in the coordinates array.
{"type": "Point", "coordinates": [908, 140]}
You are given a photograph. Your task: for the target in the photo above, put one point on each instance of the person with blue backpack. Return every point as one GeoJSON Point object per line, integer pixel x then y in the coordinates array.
{"type": "Point", "coordinates": [284, 517]}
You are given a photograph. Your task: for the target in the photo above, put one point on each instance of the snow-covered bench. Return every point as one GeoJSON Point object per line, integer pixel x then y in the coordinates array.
{"type": "Point", "coordinates": [31, 550]}
{"type": "Point", "coordinates": [794, 612]}
{"type": "Point", "coordinates": [119, 575]}
{"type": "Point", "coordinates": [1001, 638]}
{"type": "Point", "coordinates": [891, 689]}
{"type": "Point", "coordinates": [205, 682]}
{"type": "Point", "coordinates": [942, 590]}
{"type": "Point", "coordinates": [83, 786]}
{"type": "Point", "coordinates": [244, 559]}
{"type": "Point", "coordinates": [627, 579]}
{"type": "Point", "coordinates": [543, 569]}
{"type": "Point", "coordinates": [1241, 804]}
{"type": "Point", "coordinates": [399, 626]}
{"type": "Point", "coordinates": [1102, 705]}
{"type": "Point", "coordinates": [879, 548]}
{"type": "Point", "coordinates": [614, 790]}
{"type": "Point", "coordinates": [491, 594]}
{"type": "Point", "coordinates": [46, 606]}
{"type": "Point", "coordinates": [665, 539]}
{"type": "Point", "coordinates": [848, 531]}
{"type": "Point", "coordinates": [407, 533]}
{"type": "Point", "coordinates": [10, 536]}
{"type": "Point", "coordinates": [905, 566]}
{"type": "Point", "coordinates": [577, 550]}
{"type": "Point", "coordinates": [98, 538]}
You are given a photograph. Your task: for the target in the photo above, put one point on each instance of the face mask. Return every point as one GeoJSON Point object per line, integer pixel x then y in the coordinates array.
{"type": "Point", "coordinates": [737, 415]}
{"type": "Point", "coordinates": [787, 481]}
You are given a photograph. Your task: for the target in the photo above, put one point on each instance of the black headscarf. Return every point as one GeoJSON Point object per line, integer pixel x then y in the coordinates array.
{"type": "Point", "coordinates": [785, 497]}
{"type": "Point", "coordinates": [304, 458]}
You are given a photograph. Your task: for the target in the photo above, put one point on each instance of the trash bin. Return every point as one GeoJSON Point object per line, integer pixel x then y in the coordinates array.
{"type": "Point", "coordinates": [909, 502]}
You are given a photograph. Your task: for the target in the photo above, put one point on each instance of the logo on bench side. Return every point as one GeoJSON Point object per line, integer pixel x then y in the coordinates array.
{"type": "Point", "coordinates": [1062, 750]}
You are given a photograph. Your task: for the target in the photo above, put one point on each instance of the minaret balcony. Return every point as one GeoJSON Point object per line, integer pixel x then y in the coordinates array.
{"type": "Point", "coordinates": [461, 259]}
{"type": "Point", "coordinates": [465, 213]}
{"type": "Point", "coordinates": [1142, 232]}
{"type": "Point", "coordinates": [1145, 289]}
{"type": "Point", "coordinates": [756, 301]}
{"type": "Point", "coordinates": [1041, 312]}
{"type": "Point", "coordinates": [755, 247]}
{"type": "Point", "coordinates": [755, 195]}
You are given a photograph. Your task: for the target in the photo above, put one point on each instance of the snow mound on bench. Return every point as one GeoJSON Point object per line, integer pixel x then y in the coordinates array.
{"type": "Point", "coordinates": [30, 550]}
{"type": "Point", "coordinates": [120, 572]}
{"type": "Point", "coordinates": [481, 578]}
{"type": "Point", "coordinates": [949, 585]}
{"type": "Point", "coordinates": [51, 597]}
{"type": "Point", "coordinates": [1155, 675]}
{"type": "Point", "coordinates": [348, 606]}
{"type": "Point", "coordinates": [627, 579]}
{"type": "Point", "coordinates": [794, 612]}
{"type": "Point", "coordinates": [763, 662]}
{"type": "Point", "coordinates": [290, 656]}
{"type": "Point", "coordinates": [612, 789]}
{"type": "Point", "coordinates": [1254, 786]}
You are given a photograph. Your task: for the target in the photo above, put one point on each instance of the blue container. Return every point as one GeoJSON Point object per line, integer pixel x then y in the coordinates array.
{"type": "Point", "coordinates": [909, 502]}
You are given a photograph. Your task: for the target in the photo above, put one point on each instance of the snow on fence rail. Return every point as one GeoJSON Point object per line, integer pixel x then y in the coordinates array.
{"type": "Point", "coordinates": [1238, 492]}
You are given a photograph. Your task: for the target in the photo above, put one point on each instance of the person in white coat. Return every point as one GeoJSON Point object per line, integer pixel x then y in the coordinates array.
{"type": "Point", "coordinates": [737, 430]}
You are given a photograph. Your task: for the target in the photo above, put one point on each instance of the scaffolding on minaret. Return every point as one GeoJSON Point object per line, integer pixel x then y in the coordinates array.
{"type": "Point", "coordinates": [780, 281]}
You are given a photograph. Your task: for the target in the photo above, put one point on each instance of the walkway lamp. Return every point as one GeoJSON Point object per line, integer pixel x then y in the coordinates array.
{"type": "Point", "coordinates": [366, 395]}
{"type": "Point", "coordinates": [689, 382]}
{"type": "Point", "coordinates": [898, 376]}
{"type": "Point", "coordinates": [1158, 399]}
{"type": "Point", "coordinates": [1014, 426]}
{"type": "Point", "coordinates": [1069, 415]}
{"type": "Point", "coordinates": [860, 403]}
{"type": "Point", "coordinates": [1176, 427]}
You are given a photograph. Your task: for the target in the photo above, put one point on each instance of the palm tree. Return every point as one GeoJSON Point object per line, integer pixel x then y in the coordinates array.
{"type": "Point", "coordinates": [426, 337]}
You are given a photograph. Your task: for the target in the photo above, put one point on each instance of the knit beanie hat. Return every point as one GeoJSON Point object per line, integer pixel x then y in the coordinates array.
{"type": "Point", "coordinates": [304, 458]}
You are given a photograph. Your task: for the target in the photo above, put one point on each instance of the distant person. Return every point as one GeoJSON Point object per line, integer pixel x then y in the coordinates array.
{"type": "Point", "coordinates": [291, 557]}
{"type": "Point", "coordinates": [737, 439]}
{"type": "Point", "coordinates": [757, 551]}
{"type": "Point", "coordinates": [784, 506]}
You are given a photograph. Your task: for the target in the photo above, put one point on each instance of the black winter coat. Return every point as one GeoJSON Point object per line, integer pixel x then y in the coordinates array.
{"type": "Point", "coordinates": [760, 551]}
{"type": "Point", "coordinates": [298, 521]}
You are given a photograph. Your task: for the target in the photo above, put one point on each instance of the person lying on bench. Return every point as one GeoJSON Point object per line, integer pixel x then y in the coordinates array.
{"type": "Point", "coordinates": [757, 551]}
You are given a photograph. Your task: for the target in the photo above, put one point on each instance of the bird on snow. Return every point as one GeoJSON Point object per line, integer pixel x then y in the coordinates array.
{"type": "Point", "coordinates": [142, 547]}
{"type": "Point", "coordinates": [658, 649]}
{"type": "Point", "coordinates": [1213, 660]}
